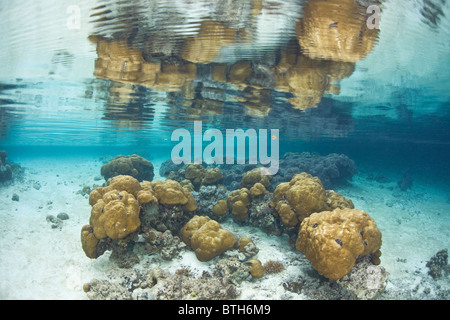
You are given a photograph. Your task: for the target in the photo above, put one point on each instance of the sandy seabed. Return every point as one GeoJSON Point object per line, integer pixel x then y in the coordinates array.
{"type": "Point", "coordinates": [41, 262]}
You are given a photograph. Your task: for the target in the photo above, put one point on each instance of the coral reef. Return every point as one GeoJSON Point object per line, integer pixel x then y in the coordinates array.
{"type": "Point", "coordinates": [89, 242]}
{"type": "Point", "coordinates": [243, 242]}
{"type": "Point", "coordinates": [331, 169]}
{"type": "Point", "coordinates": [125, 208]}
{"type": "Point", "coordinates": [5, 168]}
{"type": "Point", "coordinates": [186, 183]}
{"type": "Point", "coordinates": [255, 176]}
{"type": "Point", "coordinates": [297, 199]}
{"type": "Point", "coordinates": [333, 240]}
{"type": "Point", "coordinates": [195, 173]}
{"type": "Point", "coordinates": [200, 175]}
{"type": "Point", "coordinates": [261, 214]}
{"type": "Point", "coordinates": [232, 174]}
{"type": "Point", "coordinates": [168, 166]}
{"type": "Point", "coordinates": [116, 215]}
{"type": "Point", "coordinates": [212, 176]}
{"type": "Point", "coordinates": [119, 183]}
{"type": "Point", "coordinates": [172, 193]}
{"type": "Point", "coordinates": [336, 200]}
{"type": "Point", "coordinates": [206, 237]}
{"type": "Point", "coordinates": [191, 227]}
{"type": "Point", "coordinates": [208, 197]}
{"type": "Point", "coordinates": [406, 181]}
{"type": "Point", "coordinates": [233, 270]}
{"type": "Point", "coordinates": [133, 165]}
{"type": "Point", "coordinates": [438, 264]}
{"type": "Point", "coordinates": [164, 243]}
{"type": "Point", "coordinates": [169, 208]}
{"type": "Point", "coordinates": [220, 209]}
{"type": "Point", "coordinates": [123, 251]}
{"type": "Point", "coordinates": [256, 268]}
{"type": "Point", "coordinates": [364, 282]}
{"type": "Point", "coordinates": [133, 218]}
{"type": "Point", "coordinates": [158, 284]}
{"type": "Point", "coordinates": [9, 171]}
{"type": "Point", "coordinates": [258, 189]}
{"type": "Point", "coordinates": [105, 290]}
{"type": "Point", "coordinates": [183, 287]}
{"type": "Point", "coordinates": [247, 247]}
{"type": "Point", "coordinates": [238, 202]}
{"type": "Point", "coordinates": [303, 195]}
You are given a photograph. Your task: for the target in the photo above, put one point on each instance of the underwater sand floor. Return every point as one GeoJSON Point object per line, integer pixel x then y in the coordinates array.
{"type": "Point", "coordinates": [41, 262]}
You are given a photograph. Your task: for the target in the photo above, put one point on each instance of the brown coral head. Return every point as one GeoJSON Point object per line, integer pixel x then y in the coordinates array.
{"type": "Point", "coordinates": [206, 237]}
{"type": "Point", "coordinates": [89, 242]}
{"type": "Point", "coordinates": [116, 215]}
{"type": "Point", "coordinates": [333, 240]}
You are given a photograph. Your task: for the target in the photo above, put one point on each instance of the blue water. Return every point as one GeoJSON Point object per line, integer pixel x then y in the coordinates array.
{"type": "Point", "coordinates": [82, 85]}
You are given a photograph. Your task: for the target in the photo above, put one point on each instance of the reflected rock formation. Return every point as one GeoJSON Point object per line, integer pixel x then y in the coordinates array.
{"type": "Point", "coordinates": [335, 30]}
{"type": "Point", "coordinates": [205, 47]}
{"type": "Point", "coordinates": [308, 79]}
{"type": "Point", "coordinates": [204, 72]}
{"type": "Point", "coordinates": [128, 105]}
{"type": "Point", "coordinates": [119, 62]}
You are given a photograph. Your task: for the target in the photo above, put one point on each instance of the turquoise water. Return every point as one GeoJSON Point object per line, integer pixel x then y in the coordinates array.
{"type": "Point", "coordinates": [83, 83]}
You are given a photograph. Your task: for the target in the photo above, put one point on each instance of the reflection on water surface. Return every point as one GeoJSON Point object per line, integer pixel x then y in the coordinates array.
{"type": "Point", "coordinates": [310, 68]}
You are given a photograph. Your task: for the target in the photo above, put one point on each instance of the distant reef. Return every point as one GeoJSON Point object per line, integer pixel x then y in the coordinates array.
{"type": "Point", "coordinates": [8, 170]}
{"type": "Point", "coordinates": [331, 169]}
{"type": "Point", "coordinates": [132, 165]}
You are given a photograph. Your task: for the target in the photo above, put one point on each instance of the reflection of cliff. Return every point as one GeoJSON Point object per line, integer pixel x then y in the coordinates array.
{"type": "Point", "coordinates": [120, 62]}
{"type": "Point", "coordinates": [5, 120]}
{"type": "Point", "coordinates": [307, 79]}
{"type": "Point", "coordinates": [221, 83]}
{"type": "Point", "coordinates": [127, 105]}
{"type": "Point", "coordinates": [335, 30]}
{"type": "Point", "coordinates": [330, 37]}
{"type": "Point", "coordinates": [251, 82]}
{"type": "Point", "coordinates": [205, 47]}
{"type": "Point", "coordinates": [8, 111]}
{"type": "Point", "coordinates": [432, 12]}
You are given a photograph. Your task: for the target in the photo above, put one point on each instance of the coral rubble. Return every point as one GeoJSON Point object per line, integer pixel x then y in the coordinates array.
{"type": "Point", "coordinates": [158, 284]}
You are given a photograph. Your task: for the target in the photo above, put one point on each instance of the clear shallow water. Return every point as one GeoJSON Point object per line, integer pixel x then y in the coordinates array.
{"type": "Point", "coordinates": [118, 74]}
{"type": "Point", "coordinates": [112, 77]}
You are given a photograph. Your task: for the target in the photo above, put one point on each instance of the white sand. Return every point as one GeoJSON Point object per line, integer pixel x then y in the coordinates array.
{"type": "Point", "coordinates": [38, 262]}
